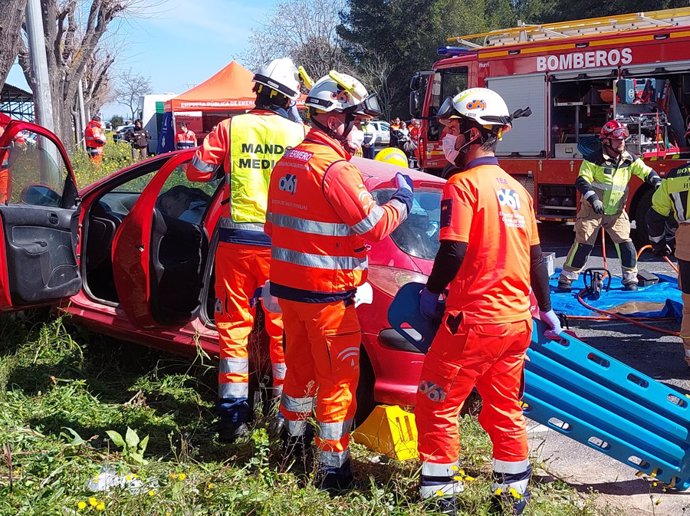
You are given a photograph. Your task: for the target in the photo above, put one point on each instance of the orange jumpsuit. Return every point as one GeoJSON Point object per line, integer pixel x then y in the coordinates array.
{"type": "Point", "coordinates": [95, 141]}
{"type": "Point", "coordinates": [319, 216]}
{"type": "Point", "coordinates": [185, 139]}
{"type": "Point", "coordinates": [243, 254]}
{"type": "Point", "coordinates": [485, 331]}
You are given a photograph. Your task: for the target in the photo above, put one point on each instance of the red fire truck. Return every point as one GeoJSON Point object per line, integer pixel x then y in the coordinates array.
{"type": "Point", "coordinates": [575, 76]}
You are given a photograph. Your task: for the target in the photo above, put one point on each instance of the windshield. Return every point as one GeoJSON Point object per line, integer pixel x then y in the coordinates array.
{"type": "Point", "coordinates": [418, 235]}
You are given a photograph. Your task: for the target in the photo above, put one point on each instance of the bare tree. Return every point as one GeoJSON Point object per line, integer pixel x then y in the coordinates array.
{"type": "Point", "coordinates": [73, 31]}
{"type": "Point", "coordinates": [131, 86]}
{"type": "Point", "coordinates": [12, 13]}
{"type": "Point", "coordinates": [376, 73]}
{"type": "Point", "coordinates": [98, 83]}
{"type": "Point", "coordinates": [304, 30]}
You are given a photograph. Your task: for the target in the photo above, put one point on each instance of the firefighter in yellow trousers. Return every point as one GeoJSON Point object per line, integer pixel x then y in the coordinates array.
{"type": "Point", "coordinates": [247, 146]}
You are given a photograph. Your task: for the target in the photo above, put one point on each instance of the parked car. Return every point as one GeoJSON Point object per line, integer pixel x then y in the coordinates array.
{"type": "Point", "coordinates": [121, 131]}
{"type": "Point", "coordinates": [126, 262]}
{"type": "Point", "coordinates": [383, 133]}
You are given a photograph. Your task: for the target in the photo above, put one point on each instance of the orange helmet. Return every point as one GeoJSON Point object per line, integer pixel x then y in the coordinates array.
{"type": "Point", "coordinates": [614, 129]}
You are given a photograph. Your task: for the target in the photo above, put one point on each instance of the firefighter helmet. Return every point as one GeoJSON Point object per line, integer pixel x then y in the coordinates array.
{"type": "Point", "coordinates": [280, 75]}
{"type": "Point", "coordinates": [342, 93]}
{"type": "Point", "coordinates": [614, 129]}
{"type": "Point", "coordinates": [484, 106]}
{"type": "Point", "coordinates": [392, 156]}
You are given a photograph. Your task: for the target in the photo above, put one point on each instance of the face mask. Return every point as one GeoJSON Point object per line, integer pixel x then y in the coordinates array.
{"type": "Point", "coordinates": [355, 138]}
{"type": "Point", "coordinates": [449, 151]}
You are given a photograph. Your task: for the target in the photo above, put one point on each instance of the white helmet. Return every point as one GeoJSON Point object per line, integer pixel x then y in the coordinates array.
{"type": "Point", "coordinates": [280, 75]}
{"type": "Point", "coordinates": [343, 93]}
{"type": "Point", "coordinates": [482, 105]}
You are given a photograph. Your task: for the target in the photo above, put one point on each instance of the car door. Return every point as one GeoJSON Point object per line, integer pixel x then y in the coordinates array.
{"type": "Point", "coordinates": [160, 249]}
{"type": "Point", "coordinates": [38, 205]}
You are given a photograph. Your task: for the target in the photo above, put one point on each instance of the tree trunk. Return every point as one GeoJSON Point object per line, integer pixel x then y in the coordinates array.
{"type": "Point", "coordinates": [12, 14]}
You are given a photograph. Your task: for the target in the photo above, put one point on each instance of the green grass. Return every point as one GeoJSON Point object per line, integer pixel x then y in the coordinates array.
{"type": "Point", "coordinates": [116, 155]}
{"type": "Point", "coordinates": [62, 389]}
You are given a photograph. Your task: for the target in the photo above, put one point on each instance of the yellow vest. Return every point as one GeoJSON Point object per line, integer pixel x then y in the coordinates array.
{"type": "Point", "coordinates": [257, 143]}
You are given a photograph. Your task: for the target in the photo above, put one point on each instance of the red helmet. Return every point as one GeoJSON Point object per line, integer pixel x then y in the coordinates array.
{"type": "Point", "coordinates": [614, 129]}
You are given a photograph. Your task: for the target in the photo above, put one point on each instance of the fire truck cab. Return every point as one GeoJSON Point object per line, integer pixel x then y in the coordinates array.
{"type": "Point", "coordinates": [575, 76]}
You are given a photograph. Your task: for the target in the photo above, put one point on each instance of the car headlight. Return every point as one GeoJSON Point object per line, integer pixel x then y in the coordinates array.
{"type": "Point", "coordinates": [390, 279]}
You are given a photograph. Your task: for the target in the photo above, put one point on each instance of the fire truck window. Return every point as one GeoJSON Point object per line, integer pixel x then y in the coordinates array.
{"type": "Point", "coordinates": [446, 83]}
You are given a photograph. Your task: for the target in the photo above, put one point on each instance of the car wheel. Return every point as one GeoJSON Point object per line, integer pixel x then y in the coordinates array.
{"type": "Point", "coordinates": [365, 389]}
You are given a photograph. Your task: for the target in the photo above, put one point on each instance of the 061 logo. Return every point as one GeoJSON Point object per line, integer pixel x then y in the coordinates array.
{"type": "Point", "coordinates": [288, 183]}
{"type": "Point", "coordinates": [508, 198]}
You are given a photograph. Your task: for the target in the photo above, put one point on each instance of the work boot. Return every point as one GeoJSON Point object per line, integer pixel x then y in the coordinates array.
{"type": "Point", "coordinates": [336, 481]}
{"type": "Point", "coordinates": [509, 503]}
{"type": "Point", "coordinates": [298, 450]}
{"type": "Point", "coordinates": [229, 431]}
{"type": "Point", "coordinates": [277, 427]}
{"type": "Point", "coordinates": [565, 284]}
{"type": "Point", "coordinates": [631, 287]}
{"type": "Point", "coordinates": [445, 505]}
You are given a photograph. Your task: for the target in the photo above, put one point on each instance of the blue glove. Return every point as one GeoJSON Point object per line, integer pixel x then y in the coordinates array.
{"type": "Point", "coordinates": [551, 320]}
{"type": "Point", "coordinates": [429, 305]}
{"type": "Point", "coordinates": [404, 182]}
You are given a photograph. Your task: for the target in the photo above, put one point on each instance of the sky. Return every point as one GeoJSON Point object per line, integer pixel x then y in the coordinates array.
{"type": "Point", "coordinates": [178, 43]}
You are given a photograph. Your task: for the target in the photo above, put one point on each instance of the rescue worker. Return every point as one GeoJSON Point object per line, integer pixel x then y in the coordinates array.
{"type": "Point", "coordinates": [489, 258]}
{"type": "Point", "coordinates": [319, 217]}
{"type": "Point", "coordinates": [603, 184]}
{"type": "Point", "coordinates": [95, 139]}
{"type": "Point", "coordinates": [369, 144]}
{"type": "Point", "coordinates": [185, 138]}
{"type": "Point", "coordinates": [672, 198]}
{"type": "Point", "coordinates": [247, 146]}
{"type": "Point", "coordinates": [17, 142]}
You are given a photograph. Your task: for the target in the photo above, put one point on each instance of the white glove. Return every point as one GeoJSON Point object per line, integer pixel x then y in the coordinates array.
{"type": "Point", "coordinates": [269, 301]}
{"type": "Point", "coordinates": [551, 320]}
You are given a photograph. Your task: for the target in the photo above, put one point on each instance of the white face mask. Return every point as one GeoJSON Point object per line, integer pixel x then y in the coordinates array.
{"type": "Point", "coordinates": [355, 139]}
{"type": "Point", "coordinates": [449, 151]}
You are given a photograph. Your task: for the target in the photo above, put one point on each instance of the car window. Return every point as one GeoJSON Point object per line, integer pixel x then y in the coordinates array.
{"type": "Point", "coordinates": [418, 234]}
{"type": "Point", "coordinates": [32, 171]}
{"type": "Point", "coordinates": [183, 199]}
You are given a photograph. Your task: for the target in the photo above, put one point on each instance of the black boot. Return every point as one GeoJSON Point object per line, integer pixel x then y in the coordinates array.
{"type": "Point", "coordinates": [336, 481]}
{"type": "Point", "coordinates": [229, 431]}
{"type": "Point", "coordinates": [298, 450]}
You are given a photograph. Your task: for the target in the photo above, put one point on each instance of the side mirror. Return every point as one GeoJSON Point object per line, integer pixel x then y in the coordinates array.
{"type": "Point", "coordinates": [40, 195]}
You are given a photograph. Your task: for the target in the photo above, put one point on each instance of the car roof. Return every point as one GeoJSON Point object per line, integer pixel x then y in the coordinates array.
{"type": "Point", "coordinates": [378, 174]}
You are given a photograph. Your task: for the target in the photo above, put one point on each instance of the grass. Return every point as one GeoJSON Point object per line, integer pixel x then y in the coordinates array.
{"type": "Point", "coordinates": [62, 389]}
{"type": "Point", "coordinates": [116, 155]}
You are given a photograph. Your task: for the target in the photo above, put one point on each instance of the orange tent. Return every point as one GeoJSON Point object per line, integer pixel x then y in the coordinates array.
{"type": "Point", "coordinates": [228, 90]}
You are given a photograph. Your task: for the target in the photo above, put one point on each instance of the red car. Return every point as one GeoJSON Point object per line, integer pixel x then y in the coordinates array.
{"type": "Point", "coordinates": [131, 255]}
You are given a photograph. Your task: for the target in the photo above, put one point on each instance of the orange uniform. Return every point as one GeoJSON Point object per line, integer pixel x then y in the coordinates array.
{"type": "Point", "coordinates": [486, 328]}
{"type": "Point", "coordinates": [243, 254]}
{"type": "Point", "coordinates": [319, 217]}
{"type": "Point", "coordinates": [185, 139]}
{"type": "Point", "coordinates": [95, 140]}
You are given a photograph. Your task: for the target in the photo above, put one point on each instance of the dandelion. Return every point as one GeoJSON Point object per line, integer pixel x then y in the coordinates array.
{"type": "Point", "coordinates": [440, 492]}
{"type": "Point", "coordinates": [100, 506]}
{"type": "Point", "coordinates": [454, 468]}
{"type": "Point", "coordinates": [93, 502]}
{"type": "Point", "coordinates": [81, 505]}
{"type": "Point", "coordinates": [457, 478]}
{"type": "Point", "coordinates": [210, 485]}
{"type": "Point", "coordinates": [470, 479]}
{"type": "Point", "coordinates": [181, 477]}
{"type": "Point", "coordinates": [654, 484]}
{"type": "Point", "coordinates": [498, 491]}
{"type": "Point", "coordinates": [514, 493]}
{"type": "Point", "coordinates": [128, 478]}
{"type": "Point", "coordinates": [151, 492]}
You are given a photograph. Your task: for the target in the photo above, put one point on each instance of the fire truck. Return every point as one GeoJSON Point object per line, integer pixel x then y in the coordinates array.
{"type": "Point", "coordinates": [574, 76]}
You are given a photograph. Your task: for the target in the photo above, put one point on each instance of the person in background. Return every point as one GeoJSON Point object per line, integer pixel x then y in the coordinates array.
{"type": "Point", "coordinates": [185, 138]}
{"type": "Point", "coordinates": [368, 145]}
{"type": "Point", "coordinates": [247, 147]}
{"type": "Point", "coordinates": [95, 139]}
{"type": "Point", "coordinates": [489, 259]}
{"type": "Point", "coordinates": [139, 139]}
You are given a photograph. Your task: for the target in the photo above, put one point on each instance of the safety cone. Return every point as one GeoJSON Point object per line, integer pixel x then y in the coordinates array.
{"type": "Point", "coordinates": [389, 430]}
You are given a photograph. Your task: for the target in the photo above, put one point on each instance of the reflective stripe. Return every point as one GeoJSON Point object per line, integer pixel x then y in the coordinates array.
{"type": "Point", "coordinates": [449, 489]}
{"type": "Point", "coordinates": [368, 222]}
{"type": "Point", "coordinates": [227, 223]}
{"type": "Point", "coordinates": [679, 205]}
{"type": "Point", "coordinates": [400, 207]}
{"type": "Point", "coordinates": [656, 239]}
{"type": "Point", "coordinates": [333, 459]}
{"type": "Point", "coordinates": [503, 466]}
{"type": "Point", "coordinates": [433, 469]}
{"type": "Point", "coordinates": [318, 261]}
{"type": "Point", "coordinates": [589, 194]}
{"type": "Point", "coordinates": [201, 165]}
{"type": "Point", "coordinates": [312, 227]}
{"type": "Point", "coordinates": [233, 390]}
{"type": "Point", "coordinates": [297, 404]}
{"type": "Point", "coordinates": [334, 431]}
{"type": "Point", "coordinates": [279, 371]}
{"type": "Point", "coordinates": [234, 365]}
{"type": "Point", "coordinates": [296, 428]}
{"type": "Point", "coordinates": [613, 188]}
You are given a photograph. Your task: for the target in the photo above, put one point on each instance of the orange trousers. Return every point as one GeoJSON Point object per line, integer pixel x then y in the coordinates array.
{"type": "Point", "coordinates": [322, 355]}
{"type": "Point", "coordinates": [462, 356]}
{"type": "Point", "coordinates": [240, 271]}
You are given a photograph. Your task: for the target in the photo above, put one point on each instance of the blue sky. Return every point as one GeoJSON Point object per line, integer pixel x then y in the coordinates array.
{"type": "Point", "coordinates": [180, 43]}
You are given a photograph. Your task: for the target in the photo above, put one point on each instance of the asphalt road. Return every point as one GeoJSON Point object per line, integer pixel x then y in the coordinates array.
{"type": "Point", "coordinates": [656, 355]}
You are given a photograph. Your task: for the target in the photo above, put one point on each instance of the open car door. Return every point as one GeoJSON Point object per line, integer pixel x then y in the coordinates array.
{"type": "Point", "coordinates": [38, 197]}
{"type": "Point", "coordinates": [160, 249]}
